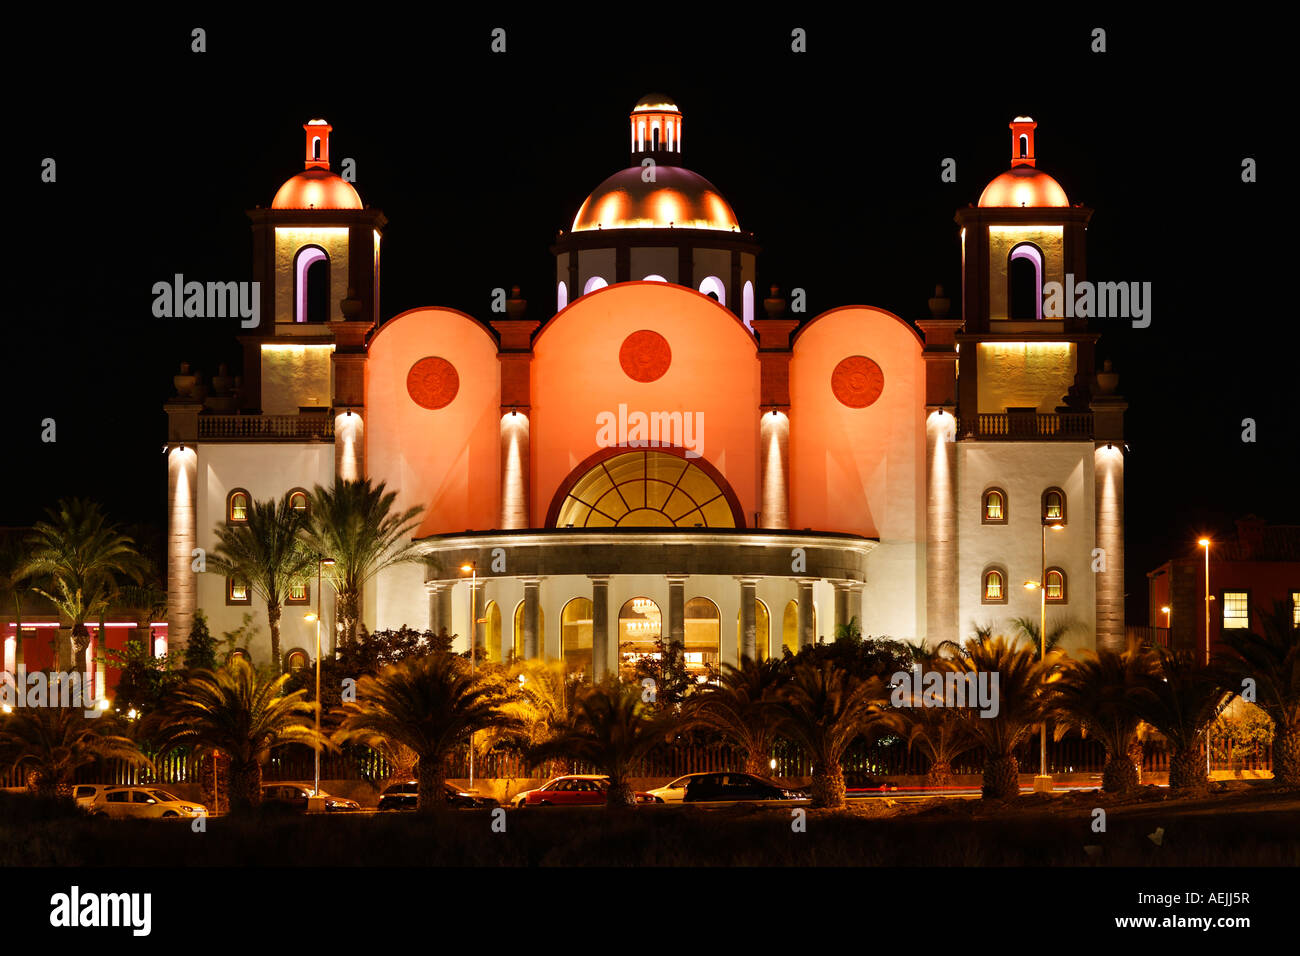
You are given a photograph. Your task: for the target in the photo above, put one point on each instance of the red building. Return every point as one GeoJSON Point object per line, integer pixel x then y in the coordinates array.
{"type": "Point", "coordinates": [1247, 574]}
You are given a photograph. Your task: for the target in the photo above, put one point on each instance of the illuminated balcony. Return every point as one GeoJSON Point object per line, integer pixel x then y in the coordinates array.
{"type": "Point", "coordinates": [1027, 425]}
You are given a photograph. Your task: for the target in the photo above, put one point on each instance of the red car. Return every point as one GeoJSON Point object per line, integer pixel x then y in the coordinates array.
{"type": "Point", "coordinates": [574, 790]}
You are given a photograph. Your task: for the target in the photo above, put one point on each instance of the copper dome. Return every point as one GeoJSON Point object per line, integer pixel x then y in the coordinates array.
{"type": "Point", "coordinates": [1024, 186]}
{"type": "Point", "coordinates": [316, 189]}
{"type": "Point", "coordinates": [678, 198]}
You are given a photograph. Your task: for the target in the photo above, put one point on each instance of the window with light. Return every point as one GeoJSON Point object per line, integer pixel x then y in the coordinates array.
{"type": "Point", "coordinates": [1235, 609]}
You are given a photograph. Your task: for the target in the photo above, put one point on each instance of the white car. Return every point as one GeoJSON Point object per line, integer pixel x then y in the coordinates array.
{"type": "Point", "coordinates": [674, 792]}
{"type": "Point", "coordinates": [126, 803]}
{"type": "Point", "coordinates": [87, 793]}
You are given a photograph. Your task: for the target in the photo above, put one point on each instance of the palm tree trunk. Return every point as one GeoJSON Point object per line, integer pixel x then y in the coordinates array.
{"type": "Point", "coordinates": [620, 794]}
{"type": "Point", "coordinates": [1135, 756]}
{"type": "Point", "coordinates": [940, 773]}
{"type": "Point", "coordinates": [1286, 755]}
{"type": "Point", "coordinates": [431, 775]}
{"type": "Point", "coordinates": [1119, 775]}
{"type": "Point", "coordinates": [754, 762]}
{"type": "Point", "coordinates": [273, 619]}
{"type": "Point", "coordinates": [1001, 777]}
{"type": "Point", "coordinates": [245, 786]}
{"type": "Point", "coordinates": [1187, 770]}
{"type": "Point", "coordinates": [828, 784]}
{"type": "Point", "coordinates": [347, 614]}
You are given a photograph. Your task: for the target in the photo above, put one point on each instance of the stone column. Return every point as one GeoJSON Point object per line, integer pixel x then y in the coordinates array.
{"type": "Point", "coordinates": [349, 445]}
{"type": "Point", "coordinates": [532, 595]}
{"type": "Point", "coordinates": [774, 469]}
{"type": "Point", "coordinates": [804, 611]}
{"type": "Point", "coordinates": [514, 470]}
{"type": "Point", "coordinates": [848, 603]}
{"type": "Point", "coordinates": [941, 605]}
{"type": "Point", "coordinates": [1109, 476]}
{"type": "Point", "coordinates": [439, 605]}
{"type": "Point", "coordinates": [600, 665]}
{"type": "Point", "coordinates": [749, 617]}
{"type": "Point", "coordinates": [677, 608]}
{"type": "Point", "coordinates": [182, 539]}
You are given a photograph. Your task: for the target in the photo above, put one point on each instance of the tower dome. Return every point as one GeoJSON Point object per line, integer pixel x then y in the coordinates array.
{"type": "Point", "coordinates": [1023, 185]}
{"type": "Point", "coordinates": [317, 186]}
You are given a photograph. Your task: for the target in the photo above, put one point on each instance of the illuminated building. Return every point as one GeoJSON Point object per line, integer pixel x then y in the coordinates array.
{"type": "Point", "coordinates": [661, 455]}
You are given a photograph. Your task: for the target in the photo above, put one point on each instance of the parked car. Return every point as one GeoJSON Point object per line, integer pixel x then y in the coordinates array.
{"type": "Point", "coordinates": [732, 787]}
{"type": "Point", "coordinates": [575, 790]}
{"type": "Point", "coordinates": [405, 796]}
{"type": "Point", "coordinates": [136, 802]}
{"type": "Point", "coordinates": [294, 796]}
{"type": "Point", "coordinates": [675, 791]}
{"type": "Point", "coordinates": [85, 794]}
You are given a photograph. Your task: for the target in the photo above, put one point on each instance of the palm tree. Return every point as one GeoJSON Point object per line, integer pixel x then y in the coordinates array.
{"type": "Point", "coordinates": [430, 705]}
{"type": "Point", "coordinates": [613, 729]}
{"type": "Point", "coordinates": [15, 586]}
{"type": "Point", "coordinates": [543, 708]}
{"type": "Point", "coordinates": [1056, 632]}
{"type": "Point", "coordinates": [235, 712]}
{"type": "Point", "coordinates": [268, 554]}
{"type": "Point", "coordinates": [1181, 698]}
{"type": "Point", "coordinates": [354, 524]}
{"type": "Point", "coordinates": [1271, 658]}
{"type": "Point", "coordinates": [936, 731]}
{"type": "Point", "coordinates": [79, 556]}
{"type": "Point", "coordinates": [53, 742]}
{"type": "Point", "coordinates": [824, 708]}
{"type": "Point", "coordinates": [924, 655]}
{"type": "Point", "coordinates": [739, 707]}
{"type": "Point", "coordinates": [1098, 694]}
{"type": "Point", "coordinates": [1021, 702]}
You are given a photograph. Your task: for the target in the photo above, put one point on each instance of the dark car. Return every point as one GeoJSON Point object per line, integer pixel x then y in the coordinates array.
{"type": "Point", "coordinates": [731, 787]}
{"type": "Point", "coordinates": [405, 795]}
{"type": "Point", "coordinates": [293, 797]}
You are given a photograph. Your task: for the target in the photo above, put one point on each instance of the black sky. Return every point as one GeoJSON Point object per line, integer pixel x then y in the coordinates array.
{"type": "Point", "coordinates": [831, 157]}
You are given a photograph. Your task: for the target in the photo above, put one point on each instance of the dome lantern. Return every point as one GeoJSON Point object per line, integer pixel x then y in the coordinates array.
{"type": "Point", "coordinates": [656, 127]}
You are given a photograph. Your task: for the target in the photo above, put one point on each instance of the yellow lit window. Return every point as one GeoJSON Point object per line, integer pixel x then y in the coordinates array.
{"type": "Point", "coordinates": [298, 592]}
{"type": "Point", "coordinates": [1053, 506]}
{"type": "Point", "coordinates": [1055, 586]}
{"type": "Point", "coordinates": [239, 506]}
{"type": "Point", "coordinates": [993, 586]}
{"type": "Point", "coordinates": [1235, 613]}
{"type": "Point", "coordinates": [298, 501]}
{"type": "Point", "coordinates": [238, 589]}
{"type": "Point", "coordinates": [1295, 608]}
{"type": "Point", "coordinates": [993, 506]}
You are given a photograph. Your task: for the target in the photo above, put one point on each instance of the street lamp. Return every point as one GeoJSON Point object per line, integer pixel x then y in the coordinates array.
{"type": "Point", "coordinates": [317, 801]}
{"type": "Point", "coordinates": [1043, 783]}
{"type": "Point", "coordinates": [472, 568]}
{"type": "Point", "coordinates": [1205, 543]}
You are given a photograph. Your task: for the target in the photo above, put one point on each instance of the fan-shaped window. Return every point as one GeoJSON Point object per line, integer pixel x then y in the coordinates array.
{"type": "Point", "coordinates": [994, 590]}
{"type": "Point", "coordinates": [237, 505]}
{"type": "Point", "coordinates": [1055, 586]}
{"type": "Point", "coordinates": [640, 624]}
{"type": "Point", "coordinates": [646, 489]}
{"type": "Point", "coordinates": [1054, 505]}
{"type": "Point", "coordinates": [576, 636]}
{"type": "Point", "coordinates": [995, 507]}
{"type": "Point", "coordinates": [762, 632]}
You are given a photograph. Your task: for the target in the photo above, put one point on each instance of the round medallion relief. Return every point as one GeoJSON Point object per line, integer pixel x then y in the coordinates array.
{"type": "Point", "coordinates": [432, 382]}
{"type": "Point", "coordinates": [857, 381]}
{"type": "Point", "coordinates": [645, 356]}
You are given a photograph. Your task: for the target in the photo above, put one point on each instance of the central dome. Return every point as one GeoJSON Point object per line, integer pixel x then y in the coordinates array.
{"type": "Point", "coordinates": [677, 199]}
{"type": "Point", "coordinates": [1024, 186]}
{"type": "Point", "coordinates": [316, 189]}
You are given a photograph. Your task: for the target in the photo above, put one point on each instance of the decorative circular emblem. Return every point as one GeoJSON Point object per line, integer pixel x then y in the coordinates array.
{"type": "Point", "coordinates": [857, 381]}
{"type": "Point", "coordinates": [432, 382]}
{"type": "Point", "coordinates": [645, 356]}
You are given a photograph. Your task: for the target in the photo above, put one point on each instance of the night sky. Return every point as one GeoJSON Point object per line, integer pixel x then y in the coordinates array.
{"type": "Point", "coordinates": [831, 157]}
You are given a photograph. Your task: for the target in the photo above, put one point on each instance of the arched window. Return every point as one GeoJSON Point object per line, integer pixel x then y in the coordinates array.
{"type": "Point", "coordinates": [1056, 593]}
{"type": "Point", "coordinates": [790, 627]}
{"type": "Point", "coordinates": [491, 632]}
{"type": "Point", "coordinates": [299, 500]}
{"type": "Point", "coordinates": [1054, 505]}
{"type": "Point", "coordinates": [237, 506]}
{"type": "Point", "coordinates": [1024, 145]}
{"type": "Point", "coordinates": [654, 136]}
{"type": "Point", "coordinates": [654, 278]}
{"type": "Point", "coordinates": [747, 304]}
{"type": "Point", "coordinates": [646, 489]}
{"type": "Point", "coordinates": [296, 660]}
{"type": "Point", "coordinates": [576, 637]}
{"type": "Point", "coordinates": [311, 284]}
{"type": "Point", "coordinates": [640, 624]}
{"type": "Point", "coordinates": [315, 147]}
{"type": "Point", "coordinates": [237, 654]}
{"type": "Point", "coordinates": [237, 591]}
{"type": "Point", "coordinates": [561, 296]}
{"type": "Point", "coordinates": [712, 286]}
{"type": "Point", "coordinates": [994, 509]}
{"type": "Point", "coordinates": [702, 625]}
{"type": "Point", "coordinates": [762, 632]}
{"type": "Point", "coordinates": [1025, 283]}
{"type": "Point", "coordinates": [594, 283]}
{"type": "Point", "coordinates": [299, 593]}
{"type": "Point", "coordinates": [994, 586]}
{"type": "Point", "coordinates": [519, 631]}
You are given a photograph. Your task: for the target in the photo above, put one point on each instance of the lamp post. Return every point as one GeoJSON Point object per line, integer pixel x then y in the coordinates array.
{"type": "Point", "coordinates": [316, 802]}
{"type": "Point", "coordinates": [472, 568]}
{"type": "Point", "coordinates": [1043, 782]}
{"type": "Point", "coordinates": [1205, 543]}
